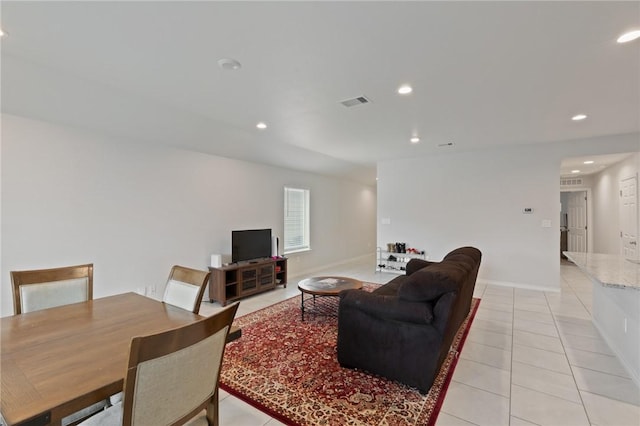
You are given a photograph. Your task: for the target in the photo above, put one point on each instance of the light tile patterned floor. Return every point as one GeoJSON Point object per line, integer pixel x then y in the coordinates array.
{"type": "Point", "coordinates": [531, 358]}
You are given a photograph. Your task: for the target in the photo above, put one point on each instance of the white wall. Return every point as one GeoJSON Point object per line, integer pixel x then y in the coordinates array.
{"type": "Point", "coordinates": [476, 198]}
{"type": "Point", "coordinates": [70, 197]}
{"type": "Point", "coordinates": [606, 215]}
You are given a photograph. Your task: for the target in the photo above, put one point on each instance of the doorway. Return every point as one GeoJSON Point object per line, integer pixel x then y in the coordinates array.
{"type": "Point", "coordinates": [574, 217]}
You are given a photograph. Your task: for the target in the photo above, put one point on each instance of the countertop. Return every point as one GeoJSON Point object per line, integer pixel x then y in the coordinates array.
{"type": "Point", "coordinates": [610, 270]}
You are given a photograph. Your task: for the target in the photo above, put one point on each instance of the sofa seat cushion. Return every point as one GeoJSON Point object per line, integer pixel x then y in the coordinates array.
{"type": "Point", "coordinates": [431, 282]}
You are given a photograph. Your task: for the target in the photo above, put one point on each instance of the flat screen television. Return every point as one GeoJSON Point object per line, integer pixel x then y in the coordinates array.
{"type": "Point", "coordinates": [250, 244]}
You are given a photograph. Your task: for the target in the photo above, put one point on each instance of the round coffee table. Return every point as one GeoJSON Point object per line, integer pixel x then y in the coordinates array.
{"type": "Point", "coordinates": [328, 288]}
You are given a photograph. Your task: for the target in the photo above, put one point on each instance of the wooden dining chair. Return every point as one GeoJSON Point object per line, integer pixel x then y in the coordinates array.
{"type": "Point", "coordinates": [172, 376]}
{"type": "Point", "coordinates": [48, 288]}
{"type": "Point", "coordinates": [185, 288]}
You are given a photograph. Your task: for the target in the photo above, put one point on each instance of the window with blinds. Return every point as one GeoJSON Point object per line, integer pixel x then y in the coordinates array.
{"type": "Point", "coordinates": [296, 220]}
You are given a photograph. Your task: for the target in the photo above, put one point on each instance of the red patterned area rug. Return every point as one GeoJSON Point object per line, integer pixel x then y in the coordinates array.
{"type": "Point", "coordinates": [289, 369]}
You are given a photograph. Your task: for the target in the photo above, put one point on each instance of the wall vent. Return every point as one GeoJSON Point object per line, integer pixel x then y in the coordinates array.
{"type": "Point", "coordinates": [571, 182]}
{"type": "Point", "coordinates": [360, 100]}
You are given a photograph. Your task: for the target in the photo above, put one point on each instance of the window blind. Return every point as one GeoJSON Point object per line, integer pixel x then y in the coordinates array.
{"type": "Point", "coordinates": [296, 219]}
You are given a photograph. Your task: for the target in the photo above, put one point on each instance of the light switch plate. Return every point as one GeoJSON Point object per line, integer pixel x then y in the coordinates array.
{"type": "Point", "coordinates": [546, 223]}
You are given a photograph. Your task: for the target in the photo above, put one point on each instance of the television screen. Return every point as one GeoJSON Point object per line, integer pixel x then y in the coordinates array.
{"type": "Point", "coordinates": [250, 244]}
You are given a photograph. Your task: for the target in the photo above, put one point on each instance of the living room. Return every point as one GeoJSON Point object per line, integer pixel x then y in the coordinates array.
{"type": "Point", "coordinates": [88, 178]}
{"type": "Point", "coordinates": [121, 176]}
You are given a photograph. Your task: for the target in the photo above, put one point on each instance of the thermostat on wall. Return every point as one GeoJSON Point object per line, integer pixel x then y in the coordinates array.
{"type": "Point", "coordinates": [527, 210]}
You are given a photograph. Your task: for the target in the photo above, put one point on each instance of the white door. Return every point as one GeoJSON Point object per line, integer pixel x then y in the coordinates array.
{"type": "Point", "coordinates": [577, 221]}
{"type": "Point", "coordinates": [629, 217]}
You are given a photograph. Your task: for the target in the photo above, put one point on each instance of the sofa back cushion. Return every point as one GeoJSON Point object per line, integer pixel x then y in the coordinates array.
{"type": "Point", "coordinates": [433, 281]}
{"type": "Point", "coordinates": [472, 252]}
{"type": "Point", "coordinates": [391, 288]}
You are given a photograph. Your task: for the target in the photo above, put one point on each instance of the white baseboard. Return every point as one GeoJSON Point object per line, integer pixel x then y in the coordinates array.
{"type": "Point", "coordinates": [518, 285]}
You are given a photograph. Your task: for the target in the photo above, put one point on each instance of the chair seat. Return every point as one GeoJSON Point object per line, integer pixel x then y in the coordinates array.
{"type": "Point", "coordinates": [108, 417]}
{"type": "Point", "coordinates": [112, 416]}
{"type": "Point", "coordinates": [85, 412]}
{"type": "Point", "coordinates": [114, 399]}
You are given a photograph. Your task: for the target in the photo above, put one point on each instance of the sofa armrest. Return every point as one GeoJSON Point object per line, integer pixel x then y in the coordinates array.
{"type": "Point", "coordinates": [386, 307]}
{"type": "Point", "coordinates": [416, 264]}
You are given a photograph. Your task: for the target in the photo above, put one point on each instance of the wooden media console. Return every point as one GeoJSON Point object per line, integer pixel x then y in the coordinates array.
{"type": "Point", "coordinates": [238, 280]}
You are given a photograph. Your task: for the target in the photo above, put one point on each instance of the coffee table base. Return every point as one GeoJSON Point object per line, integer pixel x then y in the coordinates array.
{"type": "Point", "coordinates": [324, 292]}
{"type": "Point", "coordinates": [322, 305]}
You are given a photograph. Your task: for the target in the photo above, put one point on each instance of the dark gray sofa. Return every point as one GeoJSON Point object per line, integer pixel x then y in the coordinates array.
{"type": "Point", "coordinates": [404, 329]}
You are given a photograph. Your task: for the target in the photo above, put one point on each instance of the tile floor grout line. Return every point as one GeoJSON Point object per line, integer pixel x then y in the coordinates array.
{"type": "Point", "coordinates": [533, 332]}
{"type": "Point", "coordinates": [549, 394]}
{"type": "Point", "coordinates": [524, 420]}
{"type": "Point", "coordinates": [481, 389]}
{"type": "Point", "coordinates": [459, 418]}
{"type": "Point", "coordinates": [513, 324]}
{"type": "Point", "coordinates": [601, 372]}
{"type": "Point", "coordinates": [584, 408]}
{"type": "Point", "coordinates": [483, 364]}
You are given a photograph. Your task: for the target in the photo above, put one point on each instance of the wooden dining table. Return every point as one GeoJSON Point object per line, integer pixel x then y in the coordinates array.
{"type": "Point", "coordinates": [57, 361]}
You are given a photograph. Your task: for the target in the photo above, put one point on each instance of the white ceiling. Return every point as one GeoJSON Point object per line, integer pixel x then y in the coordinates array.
{"type": "Point", "coordinates": [600, 162]}
{"type": "Point", "coordinates": [484, 74]}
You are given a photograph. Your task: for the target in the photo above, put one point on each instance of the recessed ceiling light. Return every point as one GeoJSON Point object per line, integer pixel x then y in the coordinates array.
{"type": "Point", "coordinates": [261, 125]}
{"type": "Point", "coordinates": [578, 117]}
{"type": "Point", "coordinates": [415, 139]}
{"type": "Point", "coordinates": [589, 162]}
{"type": "Point", "coordinates": [630, 36]}
{"type": "Point", "coordinates": [2, 33]}
{"type": "Point", "coordinates": [405, 89]}
{"type": "Point", "coordinates": [229, 64]}
{"type": "Point", "coordinates": [575, 171]}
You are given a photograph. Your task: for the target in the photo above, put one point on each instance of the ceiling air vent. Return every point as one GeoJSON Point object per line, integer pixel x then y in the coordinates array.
{"type": "Point", "coordinates": [571, 182]}
{"type": "Point", "coordinates": [360, 100]}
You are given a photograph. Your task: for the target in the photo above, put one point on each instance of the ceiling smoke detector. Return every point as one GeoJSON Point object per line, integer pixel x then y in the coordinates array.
{"type": "Point", "coordinates": [229, 64]}
{"type": "Point", "coordinates": [360, 100]}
